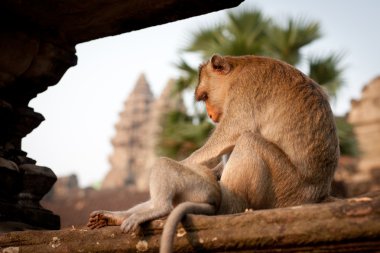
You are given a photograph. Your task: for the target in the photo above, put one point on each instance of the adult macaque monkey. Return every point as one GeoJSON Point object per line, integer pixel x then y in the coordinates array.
{"type": "Point", "coordinates": [279, 126]}
{"type": "Point", "coordinates": [279, 130]}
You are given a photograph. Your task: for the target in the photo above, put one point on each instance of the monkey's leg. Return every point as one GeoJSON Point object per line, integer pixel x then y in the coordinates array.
{"type": "Point", "coordinates": [162, 188]}
{"type": "Point", "coordinates": [239, 181]}
{"type": "Point", "coordinates": [246, 180]}
{"type": "Point", "coordinates": [137, 218]}
{"type": "Point", "coordinates": [101, 218]}
{"type": "Point", "coordinates": [261, 173]}
{"type": "Point", "coordinates": [288, 185]}
{"type": "Point", "coordinates": [159, 206]}
{"type": "Point", "coordinates": [138, 207]}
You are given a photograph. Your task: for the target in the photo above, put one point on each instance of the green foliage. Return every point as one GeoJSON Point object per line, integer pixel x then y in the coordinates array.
{"type": "Point", "coordinates": [189, 76]}
{"type": "Point", "coordinates": [249, 32]}
{"type": "Point", "coordinates": [180, 137]}
{"type": "Point", "coordinates": [348, 145]}
{"type": "Point", "coordinates": [244, 33]}
{"type": "Point", "coordinates": [284, 43]}
{"type": "Point", "coordinates": [326, 72]}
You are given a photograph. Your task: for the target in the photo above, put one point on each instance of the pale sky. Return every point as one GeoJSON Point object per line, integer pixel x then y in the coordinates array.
{"type": "Point", "coordinates": [82, 109]}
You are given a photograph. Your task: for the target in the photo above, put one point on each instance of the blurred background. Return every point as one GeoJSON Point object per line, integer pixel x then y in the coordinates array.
{"type": "Point", "coordinates": [130, 98]}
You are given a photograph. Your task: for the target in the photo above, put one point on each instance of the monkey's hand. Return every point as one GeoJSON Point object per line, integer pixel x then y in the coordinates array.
{"type": "Point", "coordinates": [131, 223]}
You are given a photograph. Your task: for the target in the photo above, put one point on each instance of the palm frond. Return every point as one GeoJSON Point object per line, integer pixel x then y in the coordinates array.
{"type": "Point", "coordinates": [326, 72]}
{"type": "Point", "coordinates": [246, 31]}
{"type": "Point", "coordinates": [285, 42]}
{"type": "Point", "coordinates": [189, 76]}
{"type": "Point", "coordinates": [207, 41]}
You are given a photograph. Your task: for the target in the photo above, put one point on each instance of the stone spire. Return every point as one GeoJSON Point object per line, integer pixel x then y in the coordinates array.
{"type": "Point", "coordinates": [167, 102]}
{"type": "Point", "coordinates": [365, 117]}
{"type": "Point", "coordinates": [142, 87]}
{"type": "Point", "coordinates": [130, 141]}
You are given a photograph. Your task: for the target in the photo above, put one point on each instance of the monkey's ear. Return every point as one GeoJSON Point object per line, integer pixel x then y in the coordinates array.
{"type": "Point", "coordinates": [220, 64]}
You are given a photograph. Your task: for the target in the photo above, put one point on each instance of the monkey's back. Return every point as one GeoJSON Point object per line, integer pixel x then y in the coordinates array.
{"type": "Point", "coordinates": [292, 111]}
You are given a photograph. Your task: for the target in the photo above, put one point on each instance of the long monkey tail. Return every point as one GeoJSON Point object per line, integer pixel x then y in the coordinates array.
{"type": "Point", "coordinates": [176, 216]}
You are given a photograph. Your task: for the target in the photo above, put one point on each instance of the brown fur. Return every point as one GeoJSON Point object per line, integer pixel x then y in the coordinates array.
{"type": "Point", "coordinates": [288, 122]}
{"type": "Point", "coordinates": [175, 190]}
{"type": "Point", "coordinates": [279, 130]}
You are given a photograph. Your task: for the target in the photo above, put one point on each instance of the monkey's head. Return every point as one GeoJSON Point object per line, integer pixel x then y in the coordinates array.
{"type": "Point", "coordinates": [213, 85]}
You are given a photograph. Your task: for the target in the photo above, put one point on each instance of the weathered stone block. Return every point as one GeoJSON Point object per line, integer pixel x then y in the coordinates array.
{"type": "Point", "coordinates": [10, 178]}
{"type": "Point", "coordinates": [350, 225]}
{"type": "Point", "coordinates": [37, 46]}
{"type": "Point", "coordinates": [36, 181]}
{"type": "Point", "coordinates": [17, 51]}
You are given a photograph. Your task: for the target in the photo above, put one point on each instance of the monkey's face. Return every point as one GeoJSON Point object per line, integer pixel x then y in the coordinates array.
{"type": "Point", "coordinates": [213, 86]}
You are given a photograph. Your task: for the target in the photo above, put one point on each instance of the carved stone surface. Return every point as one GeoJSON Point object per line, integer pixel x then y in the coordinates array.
{"type": "Point", "coordinates": [79, 21]}
{"type": "Point", "coordinates": [28, 65]}
{"type": "Point", "coordinates": [365, 117]}
{"type": "Point", "coordinates": [64, 188]}
{"type": "Point", "coordinates": [9, 179]}
{"type": "Point", "coordinates": [37, 46]}
{"type": "Point", "coordinates": [75, 204]}
{"type": "Point", "coordinates": [344, 226]}
{"type": "Point", "coordinates": [22, 187]}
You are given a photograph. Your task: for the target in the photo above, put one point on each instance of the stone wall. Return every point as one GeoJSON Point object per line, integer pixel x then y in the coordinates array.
{"type": "Point", "coordinates": [28, 65]}
{"type": "Point", "coordinates": [365, 117]}
{"type": "Point", "coordinates": [37, 46]}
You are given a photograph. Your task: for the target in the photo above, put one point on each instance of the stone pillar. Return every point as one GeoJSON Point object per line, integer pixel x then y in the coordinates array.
{"type": "Point", "coordinates": [128, 160]}
{"type": "Point", "coordinates": [28, 65]}
{"type": "Point", "coordinates": [365, 117]}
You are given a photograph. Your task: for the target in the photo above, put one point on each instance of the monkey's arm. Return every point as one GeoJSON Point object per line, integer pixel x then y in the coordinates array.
{"type": "Point", "coordinates": [221, 142]}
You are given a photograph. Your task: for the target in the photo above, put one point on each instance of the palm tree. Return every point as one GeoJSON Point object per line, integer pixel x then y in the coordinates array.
{"type": "Point", "coordinates": [284, 43]}
{"type": "Point", "coordinates": [249, 32]}
{"type": "Point", "coordinates": [180, 137]}
{"type": "Point", "coordinates": [326, 72]}
{"type": "Point", "coordinates": [243, 33]}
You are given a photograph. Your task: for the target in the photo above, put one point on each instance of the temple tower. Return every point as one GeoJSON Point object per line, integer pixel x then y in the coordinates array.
{"type": "Point", "coordinates": [166, 102]}
{"type": "Point", "coordinates": [365, 117]}
{"type": "Point", "coordinates": [128, 160]}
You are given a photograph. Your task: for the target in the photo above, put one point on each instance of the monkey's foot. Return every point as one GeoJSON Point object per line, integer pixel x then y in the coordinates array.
{"type": "Point", "coordinates": [102, 218]}
{"type": "Point", "coordinates": [131, 223]}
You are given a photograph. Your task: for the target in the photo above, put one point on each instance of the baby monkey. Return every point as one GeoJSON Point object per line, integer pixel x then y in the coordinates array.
{"type": "Point", "coordinates": [186, 189]}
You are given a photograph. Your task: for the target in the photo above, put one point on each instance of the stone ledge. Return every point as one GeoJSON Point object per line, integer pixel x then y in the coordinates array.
{"type": "Point", "coordinates": [80, 21]}
{"type": "Point", "coordinates": [351, 225]}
